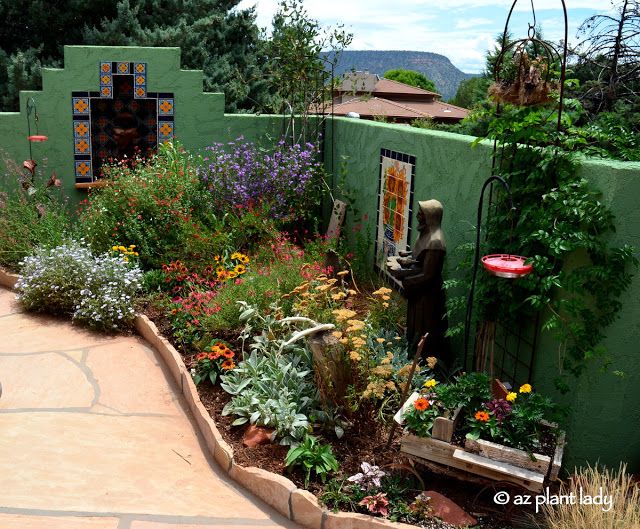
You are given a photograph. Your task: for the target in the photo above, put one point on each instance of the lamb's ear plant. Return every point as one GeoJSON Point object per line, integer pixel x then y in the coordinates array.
{"type": "Point", "coordinates": [313, 457]}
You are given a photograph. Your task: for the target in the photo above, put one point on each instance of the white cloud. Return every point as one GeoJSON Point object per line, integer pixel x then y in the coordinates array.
{"type": "Point", "coordinates": [462, 30]}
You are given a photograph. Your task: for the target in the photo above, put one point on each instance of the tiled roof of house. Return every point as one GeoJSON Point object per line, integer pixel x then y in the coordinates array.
{"type": "Point", "coordinates": [388, 86]}
{"type": "Point", "coordinates": [377, 106]}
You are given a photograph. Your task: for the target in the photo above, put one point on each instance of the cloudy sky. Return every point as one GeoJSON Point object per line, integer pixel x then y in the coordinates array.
{"type": "Point", "coordinates": [463, 30]}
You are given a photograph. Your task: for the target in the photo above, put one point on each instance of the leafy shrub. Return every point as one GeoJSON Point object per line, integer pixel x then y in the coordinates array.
{"type": "Point", "coordinates": [286, 180]}
{"type": "Point", "coordinates": [158, 205]}
{"type": "Point", "coordinates": [31, 215]}
{"type": "Point", "coordinates": [68, 279]}
{"type": "Point", "coordinates": [312, 457]}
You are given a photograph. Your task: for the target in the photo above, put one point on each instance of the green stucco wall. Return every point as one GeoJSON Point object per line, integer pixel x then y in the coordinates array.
{"type": "Point", "coordinates": [199, 117]}
{"type": "Point", "coordinates": [604, 424]}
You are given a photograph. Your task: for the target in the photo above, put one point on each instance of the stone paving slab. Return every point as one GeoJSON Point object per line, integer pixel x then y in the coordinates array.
{"type": "Point", "coordinates": [94, 434]}
{"type": "Point", "coordinates": [17, 521]}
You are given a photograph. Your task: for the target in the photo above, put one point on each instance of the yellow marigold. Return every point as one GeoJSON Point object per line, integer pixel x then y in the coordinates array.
{"type": "Point", "coordinates": [526, 388]}
{"type": "Point", "coordinates": [122, 248]}
{"type": "Point", "coordinates": [512, 396]}
{"type": "Point", "coordinates": [431, 362]}
{"type": "Point", "coordinates": [431, 383]}
{"type": "Point", "coordinates": [132, 246]}
{"type": "Point", "coordinates": [114, 248]}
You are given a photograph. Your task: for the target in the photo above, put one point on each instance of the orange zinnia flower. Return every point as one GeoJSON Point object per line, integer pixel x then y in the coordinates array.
{"type": "Point", "coordinates": [421, 404]}
{"type": "Point", "coordinates": [482, 416]}
{"type": "Point", "coordinates": [228, 364]}
{"type": "Point", "coordinates": [228, 353]}
{"type": "Point", "coordinates": [213, 356]}
{"type": "Point", "coordinates": [201, 356]}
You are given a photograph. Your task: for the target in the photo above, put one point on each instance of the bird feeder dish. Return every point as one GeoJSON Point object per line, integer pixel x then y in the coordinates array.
{"type": "Point", "coordinates": [35, 138]}
{"type": "Point", "coordinates": [506, 266]}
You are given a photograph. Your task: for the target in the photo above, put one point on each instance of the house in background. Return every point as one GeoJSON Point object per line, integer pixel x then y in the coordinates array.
{"type": "Point", "coordinates": [371, 96]}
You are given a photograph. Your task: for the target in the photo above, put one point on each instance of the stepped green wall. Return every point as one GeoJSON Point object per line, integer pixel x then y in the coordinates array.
{"type": "Point", "coordinates": [199, 117]}
{"type": "Point", "coordinates": [605, 421]}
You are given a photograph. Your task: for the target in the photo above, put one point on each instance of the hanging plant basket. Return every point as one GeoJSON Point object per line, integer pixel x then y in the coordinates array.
{"type": "Point", "coordinates": [530, 84]}
{"type": "Point", "coordinates": [506, 265]}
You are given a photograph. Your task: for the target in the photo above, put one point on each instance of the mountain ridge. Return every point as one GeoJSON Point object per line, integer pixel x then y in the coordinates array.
{"type": "Point", "coordinates": [434, 66]}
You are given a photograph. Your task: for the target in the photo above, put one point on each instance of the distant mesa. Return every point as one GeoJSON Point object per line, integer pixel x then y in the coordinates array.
{"type": "Point", "coordinates": [434, 66]}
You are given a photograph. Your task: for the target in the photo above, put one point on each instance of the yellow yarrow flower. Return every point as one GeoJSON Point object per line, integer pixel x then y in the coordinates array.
{"type": "Point", "coordinates": [526, 388]}
{"type": "Point", "coordinates": [512, 396]}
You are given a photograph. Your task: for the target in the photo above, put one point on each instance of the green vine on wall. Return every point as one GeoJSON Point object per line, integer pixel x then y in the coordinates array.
{"type": "Point", "coordinates": [564, 228]}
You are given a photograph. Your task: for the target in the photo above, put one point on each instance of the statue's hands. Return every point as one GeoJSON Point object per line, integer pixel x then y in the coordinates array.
{"type": "Point", "coordinates": [404, 254]}
{"type": "Point", "coordinates": [407, 261]}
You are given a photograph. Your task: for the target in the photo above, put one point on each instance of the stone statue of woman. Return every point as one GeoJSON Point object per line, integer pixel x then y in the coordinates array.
{"type": "Point", "coordinates": [420, 272]}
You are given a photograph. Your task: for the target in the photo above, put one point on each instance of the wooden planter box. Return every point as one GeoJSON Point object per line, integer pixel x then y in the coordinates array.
{"type": "Point", "coordinates": [488, 460]}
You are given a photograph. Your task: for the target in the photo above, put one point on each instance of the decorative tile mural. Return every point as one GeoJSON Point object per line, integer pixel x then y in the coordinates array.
{"type": "Point", "coordinates": [120, 119]}
{"type": "Point", "coordinates": [395, 205]}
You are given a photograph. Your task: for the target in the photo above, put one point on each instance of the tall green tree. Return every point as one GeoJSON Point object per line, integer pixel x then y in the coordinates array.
{"type": "Point", "coordinates": [471, 92]}
{"type": "Point", "coordinates": [298, 70]}
{"type": "Point", "coordinates": [214, 36]}
{"type": "Point", "coordinates": [410, 77]}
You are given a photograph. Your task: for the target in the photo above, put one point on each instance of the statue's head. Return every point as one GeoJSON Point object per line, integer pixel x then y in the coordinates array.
{"type": "Point", "coordinates": [429, 215]}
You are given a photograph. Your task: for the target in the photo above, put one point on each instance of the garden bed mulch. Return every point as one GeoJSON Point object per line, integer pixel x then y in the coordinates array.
{"type": "Point", "coordinates": [351, 451]}
{"type": "Point", "coordinates": [356, 447]}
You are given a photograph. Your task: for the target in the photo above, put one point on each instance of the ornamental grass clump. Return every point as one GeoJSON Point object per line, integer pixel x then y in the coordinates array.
{"type": "Point", "coordinates": [98, 291]}
{"type": "Point", "coordinates": [286, 180]}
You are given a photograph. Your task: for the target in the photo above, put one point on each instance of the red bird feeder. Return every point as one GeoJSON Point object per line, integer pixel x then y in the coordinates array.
{"type": "Point", "coordinates": [37, 138]}
{"type": "Point", "coordinates": [506, 265]}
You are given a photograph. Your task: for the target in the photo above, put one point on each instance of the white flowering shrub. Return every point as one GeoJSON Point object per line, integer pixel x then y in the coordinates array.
{"type": "Point", "coordinates": [69, 279]}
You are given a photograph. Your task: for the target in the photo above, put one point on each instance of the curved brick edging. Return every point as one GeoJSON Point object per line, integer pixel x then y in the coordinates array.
{"type": "Point", "coordinates": [7, 279]}
{"type": "Point", "coordinates": [277, 491]}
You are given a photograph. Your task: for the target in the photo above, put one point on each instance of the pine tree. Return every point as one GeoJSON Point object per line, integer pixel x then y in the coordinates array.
{"type": "Point", "coordinates": [223, 41]}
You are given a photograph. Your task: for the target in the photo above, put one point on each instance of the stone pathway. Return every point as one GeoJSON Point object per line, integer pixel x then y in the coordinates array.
{"type": "Point", "coordinates": [93, 435]}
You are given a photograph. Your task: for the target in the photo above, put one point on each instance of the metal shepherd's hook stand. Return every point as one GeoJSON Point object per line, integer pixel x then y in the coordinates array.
{"type": "Point", "coordinates": [476, 258]}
